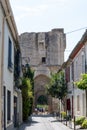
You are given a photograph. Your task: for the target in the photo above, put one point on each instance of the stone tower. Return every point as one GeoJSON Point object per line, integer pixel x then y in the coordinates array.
{"type": "Point", "coordinates": [44, 52]}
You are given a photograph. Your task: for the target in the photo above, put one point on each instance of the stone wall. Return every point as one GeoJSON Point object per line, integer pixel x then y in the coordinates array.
{"type": "Point", "coordinates": [44, 52]}
{"type": "Point", "coordinates": [50, 45]}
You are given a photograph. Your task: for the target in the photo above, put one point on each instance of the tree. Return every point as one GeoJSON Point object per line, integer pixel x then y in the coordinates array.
{"type": "Point", "coordinates": [57, 86]}
{"type": "Point", "coordinates": [27, 88]}
{"type": "Point", "coordinates": [82, 84]}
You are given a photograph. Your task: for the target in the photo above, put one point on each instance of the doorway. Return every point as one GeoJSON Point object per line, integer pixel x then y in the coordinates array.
{"type": "Point", "coordinates": [4, 93]}
{"type": "Point", "coordinates": [15, 112]}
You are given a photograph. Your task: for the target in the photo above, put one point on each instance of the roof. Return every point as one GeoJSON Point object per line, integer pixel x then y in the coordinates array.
{"type": "Point", "coordinates": [79, 45]}
{"type": "Point", "coordinates": [74, 52]}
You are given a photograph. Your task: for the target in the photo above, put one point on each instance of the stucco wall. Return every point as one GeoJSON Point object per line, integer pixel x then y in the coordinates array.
{"type": "Point", "coordinates": [8, 80]}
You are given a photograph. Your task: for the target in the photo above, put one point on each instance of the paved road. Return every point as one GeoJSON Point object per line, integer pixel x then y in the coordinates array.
{"type": "Point", "coordinates": [44, 122]}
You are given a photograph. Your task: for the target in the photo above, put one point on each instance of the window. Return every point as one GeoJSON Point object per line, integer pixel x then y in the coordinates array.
{"type": "Point", "coordinates": [43, 60]}
{"type": "Point", "coordinates": [83, 64]}
{"type": "Point", "coordinates": [10, 54]}
{"type": "Point", "coordinates": [72, 71]}
{"type": "Point", "coordinates": [78, 107]}
{"type": "Point", "coordinates": [68, 104]}
{"type": "Point", "coordinates": [41, 45]}
{"type": "Point", "coordinates": [84, 107]}
{"type": "Point", "coordinates": [8, 106]}
{"type": "Point", "coordinates": [76, 69]}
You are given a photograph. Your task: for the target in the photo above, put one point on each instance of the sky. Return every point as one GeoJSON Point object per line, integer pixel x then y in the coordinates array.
{"type": "Point", "coordinates": [45, 15]}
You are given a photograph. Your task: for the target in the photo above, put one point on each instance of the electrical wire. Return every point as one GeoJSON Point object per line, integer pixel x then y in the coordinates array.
{"type": "Point", "coordinates": [52, 51]}
{"type": "Point", "coordinates": [76, 30]}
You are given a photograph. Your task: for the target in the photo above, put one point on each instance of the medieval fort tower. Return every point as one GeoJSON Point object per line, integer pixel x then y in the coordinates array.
{"type": "Point", "coordinates": [44, 52]}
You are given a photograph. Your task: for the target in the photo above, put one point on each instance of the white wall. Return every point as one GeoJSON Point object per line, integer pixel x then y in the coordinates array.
{"type": "Point", "coordinates": [8, 77]}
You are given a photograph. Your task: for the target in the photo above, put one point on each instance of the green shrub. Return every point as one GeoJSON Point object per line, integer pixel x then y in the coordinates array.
{"type": "Point", "coordinates": [25, 109]}
{"type": "Point", "coordinates": [79, 120]}
{"type": "Point", "coordinates": [63, 114]}
{"type": "Point", "coordinates": [27, 97]}
{"type": "Point", "coordinates": [84, 124]}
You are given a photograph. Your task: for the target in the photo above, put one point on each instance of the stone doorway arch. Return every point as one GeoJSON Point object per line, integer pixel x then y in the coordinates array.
{"type": "Point", "coordinates": [40, 82]}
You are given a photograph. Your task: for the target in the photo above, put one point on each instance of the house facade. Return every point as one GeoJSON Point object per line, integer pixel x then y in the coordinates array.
{"type": "Point", "coordinates": [10, 95]}
{"type": "Point", "coordinates": [75, 66]}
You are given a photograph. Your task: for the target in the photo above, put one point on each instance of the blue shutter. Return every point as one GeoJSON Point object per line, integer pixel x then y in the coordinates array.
{"type": "Point", "coordinates": [9, 54]}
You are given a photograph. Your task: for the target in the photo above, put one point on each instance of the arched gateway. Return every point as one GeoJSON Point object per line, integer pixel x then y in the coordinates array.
{"type": "Point", "coordinates": [40, 83]}
{"type": "Point", "coordinates": [44, 52]}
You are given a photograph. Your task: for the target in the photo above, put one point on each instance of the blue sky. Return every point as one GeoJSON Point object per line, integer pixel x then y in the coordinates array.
{"type": "Point", "coordinates": [44, 15]}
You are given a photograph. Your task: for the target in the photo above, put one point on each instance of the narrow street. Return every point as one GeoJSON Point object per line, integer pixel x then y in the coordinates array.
{"type": "Point", "coordinates": [43, 65]}
{"type": "Point", "coordinates": [44, 122]}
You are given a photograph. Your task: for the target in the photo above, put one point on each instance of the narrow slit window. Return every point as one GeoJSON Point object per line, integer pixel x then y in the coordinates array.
{"type": "Point", "coordinates": [43, 59]}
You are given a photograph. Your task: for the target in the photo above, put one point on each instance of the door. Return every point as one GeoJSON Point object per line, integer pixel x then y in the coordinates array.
{"type": "Point", "coordinates": [15, 111]}
{"type": "Point", "coordinates": [4, 93]}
